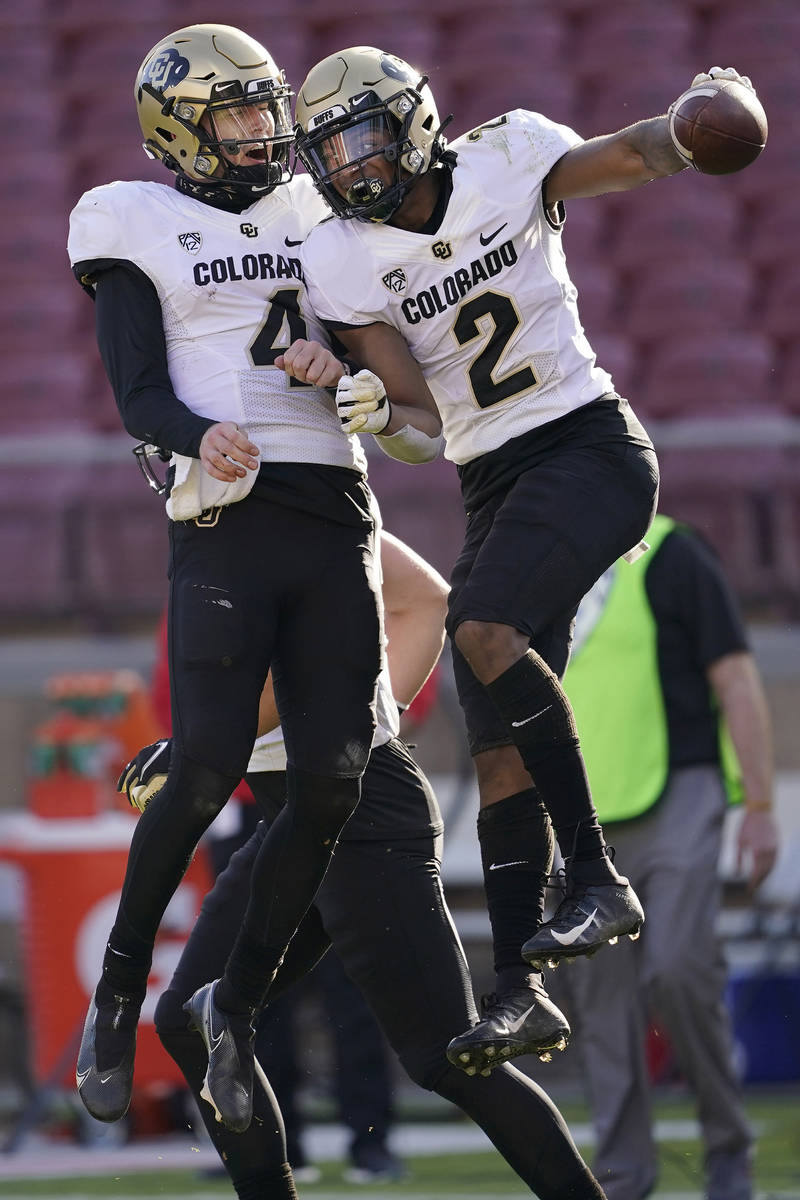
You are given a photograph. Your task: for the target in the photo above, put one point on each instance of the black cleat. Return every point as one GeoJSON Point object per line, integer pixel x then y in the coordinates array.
{"type": "Point", "coordinates": [228, 1085]}
{"type": "Point", "coordinates": [589, 916]}
{"type": "Point", "coordinates": [523, 1020]}
{"type": "Point", "coordinates": [104, 1071]}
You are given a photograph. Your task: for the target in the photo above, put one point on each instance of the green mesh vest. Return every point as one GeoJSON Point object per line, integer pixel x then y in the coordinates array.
{"type": "Point", "coordinates": [614, 687]}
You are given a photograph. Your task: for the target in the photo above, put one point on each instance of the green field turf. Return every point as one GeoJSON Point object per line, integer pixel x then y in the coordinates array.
{"type": "Point", "coordinates": [479, 1175]}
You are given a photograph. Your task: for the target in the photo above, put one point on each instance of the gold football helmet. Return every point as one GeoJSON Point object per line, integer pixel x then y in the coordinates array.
{"type": "Point", "coordinates": [215, 109]}
{"type": "Point", "coordinates": [354, 106]}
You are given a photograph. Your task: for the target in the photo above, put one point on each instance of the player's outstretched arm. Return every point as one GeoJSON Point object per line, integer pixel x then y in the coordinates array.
{"type": "Point", "coordinates": [620, 161]}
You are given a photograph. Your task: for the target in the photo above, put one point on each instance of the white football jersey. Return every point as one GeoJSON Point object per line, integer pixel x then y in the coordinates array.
{"type": "Point", "coordinates": [232, 298]}
{"type": "Point", "coordinates": [485, 304]}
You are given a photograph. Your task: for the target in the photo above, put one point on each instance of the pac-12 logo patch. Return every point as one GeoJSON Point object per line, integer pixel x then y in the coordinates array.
{"type": "Point", "coordinates": [395, 280]}
{"type": "Point", "coordinates": [191, 242]}
{"type": "Point", "coordinates": [166, 69]}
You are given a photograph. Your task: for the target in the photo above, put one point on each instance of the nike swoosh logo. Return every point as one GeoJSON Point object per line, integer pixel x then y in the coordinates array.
{"type": "Point", "coordinates": [485, 240]}
{"type": "Point", "coordinates": [292, 242]}
{"type": "Point", "coordinates": [518, 724]}
{"type": "Point", "coordinates": [520, 862]}
{"type": "Point", "coordinates": [566, 939]}
{"type": "Point", "coordinates": [517, 1023]}
{"type": "Point", "coordinates": [107, 1078]}
{"type": "Point", "coordinates": [159, 747]}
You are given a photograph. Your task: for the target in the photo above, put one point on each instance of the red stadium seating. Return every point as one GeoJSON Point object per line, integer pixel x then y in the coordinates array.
{"type": "Point", "coordinates": [779, 315]}
{"type": "Point", "coordinates": [39, 506]}
{"type": "Point", "coordinates": [598, 296]}
{"type": "Point", "coordinates": [671, 298]}
{"type": "Point", "coordinates": [709, 374]}
{"type": "Point", "coordinates": [789, 379]}
{"type": "Point", "coordinates": [123, 537]}
{"type": "Point", "coordinates": [617, 355]}
{"type": "Point", "coordinates": [617, 102]}
{"type": "Point", "coordinates": [679, 218]}
{"type": "Point", "coordinates": [44, 393]}
{"type": "Point", "coordinates": [756, 40]}
{"type": "Point", "coordinates": [628, 38]}
{"type": "Point", "coordinates": [770, 242]}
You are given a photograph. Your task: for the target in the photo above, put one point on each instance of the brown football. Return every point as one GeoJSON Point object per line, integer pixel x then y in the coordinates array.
{"type": "Point", "coordinates": [720, 126]}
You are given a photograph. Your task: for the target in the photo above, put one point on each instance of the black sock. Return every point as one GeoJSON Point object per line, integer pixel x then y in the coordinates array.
{"type": "Point", "coordinates": [516, 841]}
{"type": "Point", "coordinates": [126, 962]}
{"type": "Point", "coordinates": [531, 700]}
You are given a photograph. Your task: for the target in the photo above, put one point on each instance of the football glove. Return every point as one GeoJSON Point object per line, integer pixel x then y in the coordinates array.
{"type": "Point", "coordinates": [362, 403]}
{"type": "Point", "coordinates": [145, 774]}
{"type": "Point", "coordinates": [715, 73]}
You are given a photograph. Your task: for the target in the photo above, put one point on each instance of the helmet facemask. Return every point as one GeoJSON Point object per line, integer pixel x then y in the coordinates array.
{"type": "Point", "coordinates": [255, 131]}
{"type": "Point", "coordinates": [338, 152]}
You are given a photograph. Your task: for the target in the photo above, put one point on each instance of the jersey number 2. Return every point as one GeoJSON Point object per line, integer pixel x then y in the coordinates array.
{"type": "Point", "coordinates": [471, 323]}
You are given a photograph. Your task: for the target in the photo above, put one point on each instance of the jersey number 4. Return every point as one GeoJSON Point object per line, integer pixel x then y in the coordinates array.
{"type": "Point", "coordinates": [284, 310]}
{"type": "Point", "coordinates": [494, 316]}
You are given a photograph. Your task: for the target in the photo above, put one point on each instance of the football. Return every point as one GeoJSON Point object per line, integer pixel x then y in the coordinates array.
{"type": "Point", "coordinates": [719, 126]}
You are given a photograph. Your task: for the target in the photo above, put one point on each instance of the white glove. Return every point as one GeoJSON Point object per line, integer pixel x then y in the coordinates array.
{"type": "Point", "coordinates": [362, 403]}
{"type": "Point", "coordinates": [146, 774]}
{"type": "Point", "coordinates": [716, 73]}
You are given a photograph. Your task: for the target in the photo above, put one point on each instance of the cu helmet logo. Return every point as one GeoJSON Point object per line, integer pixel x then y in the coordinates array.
{"type": "Point", "coordinates": [442, 250]}
{"type": "Point", "coordinates": [166, 69]}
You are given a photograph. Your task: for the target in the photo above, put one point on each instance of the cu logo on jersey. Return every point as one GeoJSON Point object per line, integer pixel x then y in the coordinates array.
{"type": "Point", "coordinates": [395, 280]}
{"type": "Point", "coordinates": [248, 230]}
{"type": "Point", "coordinates": [442, 250]}
{"type": "Point", "coordinates": [167, 69]}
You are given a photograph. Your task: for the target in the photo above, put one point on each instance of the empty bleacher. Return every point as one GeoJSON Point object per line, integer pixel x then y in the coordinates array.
{"type": "Point", "coordinates": [688, 288]}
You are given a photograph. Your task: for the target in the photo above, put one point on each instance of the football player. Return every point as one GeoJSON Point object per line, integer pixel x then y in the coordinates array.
{"type": "Point", "coordinates": [455, 264]}
{"type": "Point", "coordinates": [382, 908]}
{"type": "Point", "coordinates": [200, 303]}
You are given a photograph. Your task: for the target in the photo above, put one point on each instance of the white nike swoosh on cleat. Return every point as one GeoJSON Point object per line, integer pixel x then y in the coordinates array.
{"type": "Point", "coordinates": [519, 862]}
{"type": "Point", "coordinates": [107, 1078]}
{"type": "Point", "coordinates": [566, 939]}
{"type": "Point", "coordinates": [542, 711]}
{"type": "Point", "coordinates": [517, 1023]}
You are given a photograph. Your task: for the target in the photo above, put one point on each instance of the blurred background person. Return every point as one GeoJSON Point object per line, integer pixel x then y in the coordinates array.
{"type": "Point", "coordinates": [675, 727]}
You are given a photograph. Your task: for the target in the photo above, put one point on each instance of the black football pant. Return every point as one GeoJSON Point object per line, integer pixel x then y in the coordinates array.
{"type": "Point", "coordinates": [382, 908]}
{"type": "Point", "coordinates": [260, 586]}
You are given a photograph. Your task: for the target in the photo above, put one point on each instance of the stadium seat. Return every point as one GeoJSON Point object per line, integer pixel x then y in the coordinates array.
{"type": "Point", "coordinates": [39, 505]}
{"type": "Point", "coordinates": [474, 44]}
{"type": "Point", "coordinates": [621, 99]}
{"type": "Point", "coordinates": [779, 313]}
{"type": "Point", "coordinates": [630, 36]}
{"type": "Point", "coordinates": [679, 218]}
{"type": "Point", "coordinates": [670, 298]}
{"type": "Point", "coordinates": [408, 495]}
{"type": "Point", "coordinates": [617, 355]}
{"type": "Point", "coordinates": [37, 315]}
{"type": "Point", "coordinates": [123, 544]}
{"type": "Point", "coordinates": [734, 497]}
{"type": "Point", "coordinates": [550, 93]}
{"type": "Point", "coordinates": [772, 238]}
{"type": "Point", "coordinates": [756, 40]}
{"type": "Point", "coordinates": [789, 379]}
{"type": "Point", "coordinates": [598, 295]}
{"type": "Point", "coordinates": [44, 393]}
{"type": "Point", "coordinates": [709, 374]}
{"type": "Point", "coordinates": [585, 230]}
{"type": "Point", "coordinates": [415, 41]}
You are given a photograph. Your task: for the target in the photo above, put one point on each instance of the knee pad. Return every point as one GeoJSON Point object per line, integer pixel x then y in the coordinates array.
{"type": "Point", "coordinates": [204, 790]}
{"type": "Point", "coordinates": [322, 802]}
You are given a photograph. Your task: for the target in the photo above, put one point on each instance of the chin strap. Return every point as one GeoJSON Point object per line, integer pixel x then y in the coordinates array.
{"type": "Point", "coordinates": [215, 194]}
